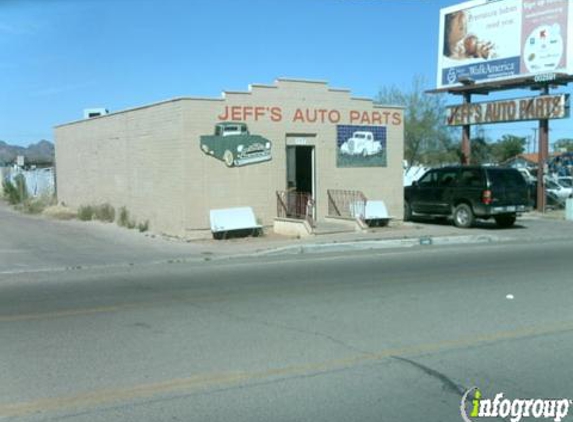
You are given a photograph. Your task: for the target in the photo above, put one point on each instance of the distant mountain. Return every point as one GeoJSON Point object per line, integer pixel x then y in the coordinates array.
{"type": "Point", "coordinates": [38, 153]}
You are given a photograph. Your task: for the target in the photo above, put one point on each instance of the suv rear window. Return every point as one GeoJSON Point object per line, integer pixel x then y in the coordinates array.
{"type": "Point", "coordinates": [447, 178]}
{"type": "Point", "coordinates": [505, 177]}
{"type": "Point", "coordinates": [471, 178]}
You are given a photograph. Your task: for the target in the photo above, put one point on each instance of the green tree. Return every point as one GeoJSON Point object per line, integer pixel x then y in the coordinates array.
{"type": "Point", "coordinates": [563, 145]}
{"type": "Point", "coordinates": [481, 151]}
{"type": "Point", "coordinates": [427, 139]}
{"type": "Point", "coordinates": [16, 192]}
{"type": "Point", "coordinates": [508, 147]}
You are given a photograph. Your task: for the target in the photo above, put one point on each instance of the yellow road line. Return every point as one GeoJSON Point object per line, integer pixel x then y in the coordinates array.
{"type": "Point", "coordinates": [68, 313]}
{"type": "Point", "coordinates": [203, 381]}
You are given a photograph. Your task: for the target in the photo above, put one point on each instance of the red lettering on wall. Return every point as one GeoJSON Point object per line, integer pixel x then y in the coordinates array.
{"type": "Point", "coordinates": [376, 118]}
{"type": "Point", "coordinates": [259, 112]}
{"type": "Point", "coordinates": [354, 116]}
{"type": "Point", "coordinates": [298, 116]}
{"type": "Point", "coordinates": [386, 117]}
{"type": "Point", "coordinates": [311, 118]}
{"type": "Point", "coordinates": [225, 115]}
{"type": "Point", "coordinates": [276, 114]}
{"type": "Point", "coordinates": [247, 112]}
{"type": "Point", "coordinates": [334, 116]}
{"type": "Point", "coordinates": [236, 113]}
{"type": "Point", "coordinates": [313, 115]}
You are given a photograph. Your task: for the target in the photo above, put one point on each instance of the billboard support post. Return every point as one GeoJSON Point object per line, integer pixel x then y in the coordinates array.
{"type": "Point", "coordinates": [466, 140]}
{"type": "Point", "coordinates": [542, 155]}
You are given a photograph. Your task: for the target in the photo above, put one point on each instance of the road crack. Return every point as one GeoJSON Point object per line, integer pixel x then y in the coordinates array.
{"type": "Point", "coordinates": [290, 328]}
{"type": "Point", "coordinates": [447, 382]}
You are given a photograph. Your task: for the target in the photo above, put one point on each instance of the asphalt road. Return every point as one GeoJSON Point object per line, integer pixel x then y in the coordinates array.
{"type": "Point", "coordinates": [394, 335]}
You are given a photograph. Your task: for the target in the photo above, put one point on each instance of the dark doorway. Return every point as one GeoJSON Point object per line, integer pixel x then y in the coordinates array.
{"type": "Point", "coordinates": [300, 169]}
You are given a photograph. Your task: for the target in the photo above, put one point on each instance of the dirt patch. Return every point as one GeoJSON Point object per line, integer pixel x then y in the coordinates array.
{"type": "Point", "coordinates": [59, 212]}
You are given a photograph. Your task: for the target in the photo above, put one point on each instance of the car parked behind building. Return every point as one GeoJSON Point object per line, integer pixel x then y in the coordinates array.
{"type": "Point", "coordinates": [557, 189]}
{"type": "Point", "coordinates": [467, 193]}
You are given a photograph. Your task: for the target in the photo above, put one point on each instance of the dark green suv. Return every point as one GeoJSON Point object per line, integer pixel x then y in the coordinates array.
{"type": "Point", "coordinates": [467, 193]}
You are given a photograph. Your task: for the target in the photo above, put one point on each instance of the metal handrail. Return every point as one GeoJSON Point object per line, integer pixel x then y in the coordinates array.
{"type": "Point", "coordinates": [297, 205]}
{"type": "Point", "coordinates": [346, 204]}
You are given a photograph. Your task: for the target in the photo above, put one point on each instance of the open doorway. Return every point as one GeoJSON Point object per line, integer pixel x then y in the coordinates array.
{"type": "Point", "coordinates": [300, 169]}
{"type": "Point", "coordinates": [299, 199]}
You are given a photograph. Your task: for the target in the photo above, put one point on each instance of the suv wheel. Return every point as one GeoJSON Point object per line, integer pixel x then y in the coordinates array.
{"type": "Point", "coordinates": [463, 216]}
{"type": "Point", "coordinates": [505, 220]}
{"type": "Point", "coordinates": [407, 211]}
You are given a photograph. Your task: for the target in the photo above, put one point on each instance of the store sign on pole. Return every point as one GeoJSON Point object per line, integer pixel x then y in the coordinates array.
{"type": "Point", "coordinates": [544, 107]}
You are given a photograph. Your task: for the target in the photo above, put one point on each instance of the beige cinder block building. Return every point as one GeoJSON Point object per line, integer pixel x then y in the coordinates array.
{"type": "Point", "coordinates": [168, 162]}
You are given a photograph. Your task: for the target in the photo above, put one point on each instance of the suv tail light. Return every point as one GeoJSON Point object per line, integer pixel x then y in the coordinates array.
{"type": "Point", "coordinates": [486, 197]}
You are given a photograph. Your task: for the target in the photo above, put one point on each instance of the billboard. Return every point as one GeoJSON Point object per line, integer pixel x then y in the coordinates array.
{"type": "Point", "coordinates": [485, 40]}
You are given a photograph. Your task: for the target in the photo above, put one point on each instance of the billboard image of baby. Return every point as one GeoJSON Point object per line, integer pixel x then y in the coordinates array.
{"type": "Point", "coordinates": [460, 44]}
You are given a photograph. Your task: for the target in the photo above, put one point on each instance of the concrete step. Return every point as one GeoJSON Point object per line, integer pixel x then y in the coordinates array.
{"type": "Point", "coordinates": [331, 227]}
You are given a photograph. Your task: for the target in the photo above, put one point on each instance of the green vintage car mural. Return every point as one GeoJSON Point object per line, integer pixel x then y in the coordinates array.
{"type": "Point", "coordinates": [235, 146]}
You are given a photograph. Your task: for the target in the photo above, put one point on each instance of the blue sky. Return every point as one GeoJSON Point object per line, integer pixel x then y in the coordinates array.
{"type": "Point", "coordinates": [58, 57]}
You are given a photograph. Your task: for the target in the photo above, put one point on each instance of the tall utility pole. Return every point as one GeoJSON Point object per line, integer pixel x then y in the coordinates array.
{"type": "Point", "coordinates": [466, 146]}
{"type": "Point", "coordinates": [542, 154]}
{"type": "Point", "coordinates": [534, 140]}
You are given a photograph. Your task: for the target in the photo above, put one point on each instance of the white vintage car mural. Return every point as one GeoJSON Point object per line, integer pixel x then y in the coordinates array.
{"type": "Point", "coordinates": [361, 143]}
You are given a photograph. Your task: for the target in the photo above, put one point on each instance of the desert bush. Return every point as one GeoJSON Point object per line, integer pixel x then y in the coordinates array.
{"type": "Point", "coordinates": [104, 212]}
{"type": "Point", "coordinates": [144, 226]}
{"type": "Point", "coordinates": [124, 219]}
{"type": "Point", "coordinates": [86, 212]}
{"type": "Point", "coordinates": [15, 192]}
{"type": "Point", "coordinates": [10, 192]}
{"type": "Point", "coordinates": [20, 184]}
{"type": "Point", "coordinates": [59, 212]}
{"type": "Point", "coordinates": [36, 205]}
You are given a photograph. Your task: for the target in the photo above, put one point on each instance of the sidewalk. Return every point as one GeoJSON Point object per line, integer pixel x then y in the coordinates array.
{"type": "Point", "coordinates": [398, 234]}
{"type": "Point", "coordinates": [35, 243]}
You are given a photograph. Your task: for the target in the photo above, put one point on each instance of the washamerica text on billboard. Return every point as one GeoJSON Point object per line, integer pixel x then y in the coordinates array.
{"type": "Point", "coordinates": [492, 40]}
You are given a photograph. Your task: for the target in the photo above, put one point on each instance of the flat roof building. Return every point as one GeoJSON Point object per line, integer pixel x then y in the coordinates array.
{"type": "Point", "coordinates": [172, 162]}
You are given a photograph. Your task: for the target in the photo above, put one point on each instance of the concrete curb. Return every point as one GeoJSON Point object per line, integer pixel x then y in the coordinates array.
{"type": "Point", "coordinates": [298, 249]}
{"type": "Point", "coordinates": [310, 248]}
{"type": "Point", "coordinates": [361, 245]}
